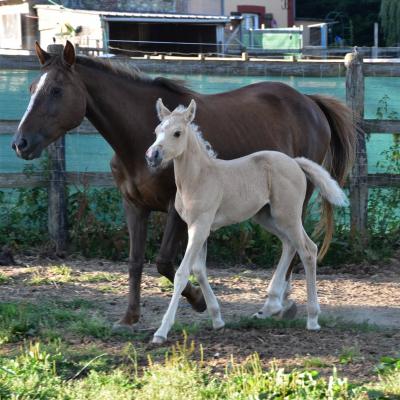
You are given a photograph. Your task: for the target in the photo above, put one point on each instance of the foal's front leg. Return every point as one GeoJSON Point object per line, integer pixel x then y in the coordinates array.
{"type": "Point", "coordinates": [175, 231]}
{"type": "Point", "coordinates": [200, 272]}
{"type": "Point", "coordinates": [197, 236]}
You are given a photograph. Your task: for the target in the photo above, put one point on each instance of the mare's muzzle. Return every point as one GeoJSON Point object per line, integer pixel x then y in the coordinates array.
{"type": "Point", "coordinates": [154, 156]}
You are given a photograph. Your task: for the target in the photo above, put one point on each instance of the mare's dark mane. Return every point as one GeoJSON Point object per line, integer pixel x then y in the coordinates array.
{"type": "Point", "coordinates": [131, 73]}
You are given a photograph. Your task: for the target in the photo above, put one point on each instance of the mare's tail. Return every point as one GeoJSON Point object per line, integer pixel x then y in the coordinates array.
{"type": "Point", "coordinates": [321, 178]}
{"type": "Point", "coordinates": [340, 156]}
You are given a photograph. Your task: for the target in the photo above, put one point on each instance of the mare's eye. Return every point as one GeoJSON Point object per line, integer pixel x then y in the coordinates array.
{"type": "Point", "coordinates": [55, 92]}
{"type": "Point", "coordinates": [177, 134]}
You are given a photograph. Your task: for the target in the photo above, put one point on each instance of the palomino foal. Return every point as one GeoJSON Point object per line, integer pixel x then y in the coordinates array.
{"type": "Point", "coordinates": [268, 186]}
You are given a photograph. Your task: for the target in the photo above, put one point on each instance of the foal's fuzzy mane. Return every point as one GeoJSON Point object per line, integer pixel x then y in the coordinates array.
{"type": "Point", "coordinates": [205, 145]}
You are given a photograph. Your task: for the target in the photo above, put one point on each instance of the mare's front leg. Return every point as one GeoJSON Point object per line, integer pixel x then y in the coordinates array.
{"type": "Point", "coordinates": [136, 219]}
{"type": "Point", "coordinates": [175, 231]}
{"type": "Point", "coordinates": [198, 233]}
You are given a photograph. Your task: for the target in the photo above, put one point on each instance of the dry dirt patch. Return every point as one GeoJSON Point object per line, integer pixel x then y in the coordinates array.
{"type": "Point", "coordinates": [352, 293]}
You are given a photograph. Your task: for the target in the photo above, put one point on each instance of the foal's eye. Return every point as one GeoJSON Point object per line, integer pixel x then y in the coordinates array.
{"type": "Point", "coordinates": [177, 134]}
{"type": "Point", "coordinates": [55, 92]}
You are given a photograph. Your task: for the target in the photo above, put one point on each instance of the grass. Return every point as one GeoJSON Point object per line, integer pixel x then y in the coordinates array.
{"type": "Point", "coordinates": [63, 274]}
{"type": "Point", "coordinates": [38, 372]}
{"type": "Point", "coordinates": [54, 372]}
{"type": "Point", "coordinates": [4, 279]}
{"type": "Point", "coordinates": [167, 286]}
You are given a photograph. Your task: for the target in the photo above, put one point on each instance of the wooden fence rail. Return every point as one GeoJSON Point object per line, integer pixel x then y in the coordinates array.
{"type": "Point", "coordinates": [57, 178]}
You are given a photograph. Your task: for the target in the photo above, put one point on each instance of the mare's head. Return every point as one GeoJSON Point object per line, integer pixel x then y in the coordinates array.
{"type": "Point", "coordinates": [172, 133]}
{"type": "Point", "coordinates": [57, 104]}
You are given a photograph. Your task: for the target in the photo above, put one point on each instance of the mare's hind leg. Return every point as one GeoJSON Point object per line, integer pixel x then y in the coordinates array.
{"type": "Point", "coordinates": [277, 302]}
{"type": "Point", "coordinates": [200, 272]}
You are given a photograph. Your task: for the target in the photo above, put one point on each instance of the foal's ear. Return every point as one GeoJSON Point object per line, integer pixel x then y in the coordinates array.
{"type": "Point", "coordinates": [162, 111]}
{"type": "Point", "coordinates": [43, 56]}
{"type": "Point", "coordinates": [69, 54]}
{"type": "Point", "coordinates": [190, 112]}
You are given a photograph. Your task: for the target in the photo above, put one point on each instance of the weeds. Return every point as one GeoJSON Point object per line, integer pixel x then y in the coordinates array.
{"type": "Point", "coordinates": [40, 373]}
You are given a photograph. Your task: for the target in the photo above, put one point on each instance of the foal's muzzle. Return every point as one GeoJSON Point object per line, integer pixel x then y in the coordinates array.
{"type": "Point", "coordinates": [154, 156]}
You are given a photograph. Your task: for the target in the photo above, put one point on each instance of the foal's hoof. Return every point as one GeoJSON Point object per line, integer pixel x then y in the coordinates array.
{"type": "Point", "coordinates": [198, 304]}
{"type": "Point", "coordinates": [217, 325]}
{"type": "Point", "coordinates": [121, 327]}
{"type": "Point", "coordinates": [158, 339]}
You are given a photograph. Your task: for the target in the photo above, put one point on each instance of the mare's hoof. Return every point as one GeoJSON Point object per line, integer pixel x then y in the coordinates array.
{"type": "Point", "coordinates": [122, 327]}
{"type": "Point", "coordinates": [198, 304]}
{"type": "Point", "coordinates": [159, 340]}
{"type": "Point", "coordinates": [289, 312]}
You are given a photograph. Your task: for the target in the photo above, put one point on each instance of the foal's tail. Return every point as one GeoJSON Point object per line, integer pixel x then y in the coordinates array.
{"type": "Point", "coordinates": [340, 156]}
{"type": "Point", "coordinates": [321, 178]}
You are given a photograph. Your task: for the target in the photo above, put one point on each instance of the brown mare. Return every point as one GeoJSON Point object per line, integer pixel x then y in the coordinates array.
{"type": "Point", "coordinates": [120, 104]}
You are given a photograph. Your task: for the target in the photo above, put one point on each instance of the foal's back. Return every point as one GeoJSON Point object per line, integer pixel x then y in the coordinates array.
{"type": "Point", "coordinates": [248, 183]}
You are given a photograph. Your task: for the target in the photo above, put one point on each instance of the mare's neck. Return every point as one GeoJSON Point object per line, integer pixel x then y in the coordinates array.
{"type": "Point", "coordinates": [122, 110]}
{"type": "Point", "coordinates": [191, 164]}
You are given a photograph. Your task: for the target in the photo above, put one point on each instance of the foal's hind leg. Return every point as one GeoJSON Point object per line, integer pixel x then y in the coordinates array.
{"type": "Point", "coordinates": [277, 302]}
{"type": "Point", "coordinates": [200, 272]}
{"type": "Point", "coordinates": [307, 251]}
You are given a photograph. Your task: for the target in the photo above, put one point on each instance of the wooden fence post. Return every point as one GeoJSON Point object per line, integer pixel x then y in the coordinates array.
{"type": "Point", "coordinates": [57, 192]}
{"type": "Point", "coordinates": [359, 175]}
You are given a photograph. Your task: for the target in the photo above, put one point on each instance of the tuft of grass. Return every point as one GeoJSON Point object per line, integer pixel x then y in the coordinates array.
{"type": "Point", "coordinates": [388, 386]}
{"type": "Point", "coordinates": [50, 320]}
{"type": "Point", "coordinates": [267, 323]}
{"type": "Point", "coordinates": [98, 277]}
{"type": "Point", "coordinates": [4, 279]}
{"type": "Point", "coordinates": [167, 286]}
{"type": "Point", "coordinates": [349, 355]}
{"type": "Point", "coordinates": [315, 362]}
{"type": "Point", "coordinates": [57, 274]}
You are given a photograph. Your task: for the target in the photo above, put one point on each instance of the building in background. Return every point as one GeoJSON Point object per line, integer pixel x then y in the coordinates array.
{"type": "Point", "coordinates": [138, 26]}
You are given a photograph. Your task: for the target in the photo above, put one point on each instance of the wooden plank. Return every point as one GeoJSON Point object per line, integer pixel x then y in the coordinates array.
{"type": "Point", "coordinates": [381, 126]}
{"type": "Point", "coordinates": [15, 180]}
{"type": "Point", "coordinates": [9, 127]}
{"type": "Point", "coordinates": [358, 181]}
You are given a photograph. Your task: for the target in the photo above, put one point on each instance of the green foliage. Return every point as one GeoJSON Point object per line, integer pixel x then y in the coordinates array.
{"type": "Point", "coordinates": [361, 14]}
{"type": "Point", "coordinates": [48, 320]}
{"type": "Point", "coordinates": [390, 19]}
{"type": "Point", "coordinates": [41, 373]}
{"type": "Point", "coordinates": [96, 223]}
{"type": "Point", "coordinates": [25, 222]}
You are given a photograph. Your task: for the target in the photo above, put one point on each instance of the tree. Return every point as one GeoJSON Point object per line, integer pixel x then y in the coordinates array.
{"type": "Point", "coordinates": [390, 19]}
{"type": "Point", "coordinates": [361, 13]}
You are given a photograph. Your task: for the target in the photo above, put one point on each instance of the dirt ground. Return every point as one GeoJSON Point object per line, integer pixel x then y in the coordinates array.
{"type": "Point", "coordinates": [352, 294]}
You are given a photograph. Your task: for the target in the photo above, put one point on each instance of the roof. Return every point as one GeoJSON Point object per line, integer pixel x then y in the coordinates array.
{"type": "Point", "coordinates": [145, 16]}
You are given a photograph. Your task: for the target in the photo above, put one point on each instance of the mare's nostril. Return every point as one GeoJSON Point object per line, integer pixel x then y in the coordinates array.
{"type": "Point", "coordinates": [156, 154]}
{"type": "Point", "coordinates": [22, 144]}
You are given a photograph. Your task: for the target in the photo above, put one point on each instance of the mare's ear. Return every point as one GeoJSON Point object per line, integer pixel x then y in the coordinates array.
{"type": "Point", "coordinates": [162, 111]}
{"type": "Point", "coordinates": [43, 56]}
{"type": "Point", "coordinates": [69, 54]}
{"type": "Point", "coordinates": [190, 112]}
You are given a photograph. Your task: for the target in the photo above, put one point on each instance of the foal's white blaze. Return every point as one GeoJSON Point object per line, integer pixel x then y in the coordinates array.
{"type": "Point", "coordinates": [33, 98]}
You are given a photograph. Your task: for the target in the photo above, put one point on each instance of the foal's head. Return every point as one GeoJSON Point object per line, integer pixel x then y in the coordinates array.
{"type": "Point", "coordinates": [172, 133]}
{"type": "Point", "coordinates": [57, 105]}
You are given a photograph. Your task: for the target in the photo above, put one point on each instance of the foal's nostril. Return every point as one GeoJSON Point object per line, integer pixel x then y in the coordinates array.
{"type": "Point", "coordinates": [13, 146]}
